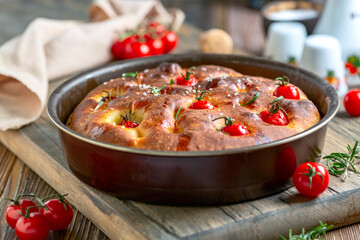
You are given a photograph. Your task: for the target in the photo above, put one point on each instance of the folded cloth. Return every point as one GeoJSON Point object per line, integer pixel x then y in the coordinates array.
{"type": "Point", "coordinates": [49, 49]}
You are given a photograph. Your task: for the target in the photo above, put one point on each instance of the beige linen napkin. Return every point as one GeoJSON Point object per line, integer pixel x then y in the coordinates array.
{"type": "Point", "coordinates": [50, 49]}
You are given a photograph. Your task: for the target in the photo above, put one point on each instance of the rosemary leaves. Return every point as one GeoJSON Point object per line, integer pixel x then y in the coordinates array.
{"type": "Point", "coordinates": [317, 232]}
{"type": "Point", "coordinates": [341, 163]}
{"type": "Point", "coordinates": [252, 100]}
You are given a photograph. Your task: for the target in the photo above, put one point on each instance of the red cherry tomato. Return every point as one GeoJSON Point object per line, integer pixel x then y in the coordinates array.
{"type": "Point", "coordinates": [117, 50]}
{"type": "Point", "coordinates": [130, 124]}
{"type": "Point", "coordinates": [182, 81]}
{"type": "Point", "coordinates": [12, 211]}
{"type": "Point", "coordinates": [57, 216]}
{"type": "Point", "coordinates": [236, 129]}
{"type": "Point", "coordinates": [288, 92]}
{"type": "Point", "coordinates": [118, 47]}
{"type": "Point", "coordinates": [157, 46]}
{"type": "Point", "coordinates": [278, 118]}
{"type": "Point", "coordinates": [170, 40]}
{"type": "Point", "coordinates": [352, 102]}
{"type": "Point", "coordinates": [137, 49]}
{"type": "Point", "coordinates": [201, 105]}
{"type": "Point", "coordinates": [33, 227]}
{"type": "Point", "coordinates": [314, 172]}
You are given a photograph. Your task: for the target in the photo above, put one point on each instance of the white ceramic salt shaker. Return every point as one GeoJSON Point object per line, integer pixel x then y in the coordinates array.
{"type": "Point", "coordinates": [322, 55]}
{"type": "Point", "coordinates": [285, 41]}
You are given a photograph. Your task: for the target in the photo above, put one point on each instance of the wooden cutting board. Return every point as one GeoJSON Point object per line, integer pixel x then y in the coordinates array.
{"type": "Point", "coordinates": [38, 145]}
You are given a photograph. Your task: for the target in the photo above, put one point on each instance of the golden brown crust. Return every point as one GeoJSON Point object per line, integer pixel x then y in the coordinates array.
{"type": "Point", "coordinates": [193, 130]}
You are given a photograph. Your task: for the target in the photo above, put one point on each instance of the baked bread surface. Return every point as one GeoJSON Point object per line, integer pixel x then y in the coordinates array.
{"type": "Point", "coordinates": [193, 129]}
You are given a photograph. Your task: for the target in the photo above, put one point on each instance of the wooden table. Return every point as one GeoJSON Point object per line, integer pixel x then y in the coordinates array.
{"type": "Point", "coordinates": [16, 177]}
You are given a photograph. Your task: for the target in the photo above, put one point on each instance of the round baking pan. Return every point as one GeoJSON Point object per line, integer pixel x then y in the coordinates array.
{"type": "Point", "coordinates": [206, 177]}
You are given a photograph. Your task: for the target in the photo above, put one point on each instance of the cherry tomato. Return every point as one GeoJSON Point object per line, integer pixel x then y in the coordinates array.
{"type": "Point", "coordinates": [278, 118]}
{"type": "Point", "coordinates": [181, 80]}
{"type": "Point", "coordinates": [202, 105]}
{"type": "Point", "coordinates": [12, 211]}
{"type": "Point", "coordinates": [57, 216]}
{"type": "Point", "coordinates": [117, 50]}
{"type": "Point", "coordinates": [352, 102]}
{"type": "Point", "coordinates": [236, 129]}
{"type": "Point", "coordinates": [136, 49]}
{"type": "Point", "coordinates": [311, 179]}
{"type": "Point", "coordinates": [130, 124]}
{"type": "Point", "coordinates": [157, 45]}
{"type": "Point", "coordinates": [118, 47]}
{"type": "Point", "coordinates": [288, 92]}
{"type": "Point", "coordinates": [33, 227]}
{"type": "Point", "coordinates": [170, 40]}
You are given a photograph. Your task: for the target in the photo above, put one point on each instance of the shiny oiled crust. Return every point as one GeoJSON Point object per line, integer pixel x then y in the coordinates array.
{"type": "Point", "coordinates": [195, 130]}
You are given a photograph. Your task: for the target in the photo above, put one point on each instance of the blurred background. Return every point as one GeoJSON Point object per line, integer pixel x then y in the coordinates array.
{"type": "Point", "coordinates": [224, 14]}
{"type": "Point", "coordinates": [243, 20]}
{"type": "Point", "coordinates": [204, 14]}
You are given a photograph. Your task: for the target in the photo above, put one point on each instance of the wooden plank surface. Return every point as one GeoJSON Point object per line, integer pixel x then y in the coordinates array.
{"type": "Point", "coordinates": [38, 146]}
{"type": "Point", "coordinates": [16, 177]}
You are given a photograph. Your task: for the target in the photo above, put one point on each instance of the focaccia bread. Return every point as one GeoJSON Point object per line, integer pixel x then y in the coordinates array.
{"type": "Point", "coordinates": [152, 110]}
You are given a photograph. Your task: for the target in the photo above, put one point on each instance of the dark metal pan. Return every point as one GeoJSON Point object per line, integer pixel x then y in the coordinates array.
{"type": "Point", "coordinates": [212, 177]}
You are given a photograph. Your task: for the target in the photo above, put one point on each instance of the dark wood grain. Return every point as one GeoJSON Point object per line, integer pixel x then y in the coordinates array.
{"type": "Point", "coordinates": [243, 24]}
{"type": "Point", "coordinates": [17, 178]}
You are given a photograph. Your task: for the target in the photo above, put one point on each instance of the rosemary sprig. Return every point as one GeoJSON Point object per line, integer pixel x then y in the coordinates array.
{"type": "Point", "coordinates": [103, 100]}
{"type": "Point", "coordinates": [177, 113]}
{"type": "Point", "coordinates": [276, 100]}
{"type": "Point", "coordinates": [100, 103]}
{"type": "Point", "coordinates": [191, 68]}
{"type": "Point", "coordinates": [130, 75]}
{"type": "Point", "coordinates": [156, 91]}
{"type": "Point", "coordinates": [202, 95]}
{"type": "Point", "coordinates": [228, 121]}
{"type": "Point", "coordinates": [339, 163]}
{"type": "Point", "coordinates": [317, 232]}
{"type": "Point", "coordinates": [252, 100]}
